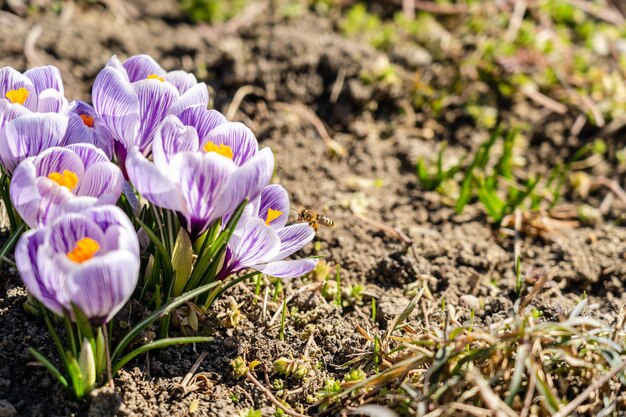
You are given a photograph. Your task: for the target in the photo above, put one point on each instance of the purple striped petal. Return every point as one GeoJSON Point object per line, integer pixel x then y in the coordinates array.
{"type": "Point", "coordinates": [24, 193]}
{"type": "Point", "coordinates": [112, 218]}
{"type": "Point", "coordinates": [238, 137]}
{"type": "Point", "coordinates": [172, 137]}
{"type": "Point", "coordinates": [26, 255]}
{"type": "Point", "coordinates": [287, 269]}
{"type": "Point", "coordinates": [107, 216]}
{"type": "Point", "coordinates": [102, 180]}
{"type": "Point", "coordinates": [88, 153]}
{"type": "Point", "coordinates": [11, 79]}
{"type": "Point", "coordinates": [118, 237]}
{"type": "Point", "coordinates": [102, 285]}
{"type": "Point", "coordinates": [152, 184]}
{"type": "Point", "coordinates": [51, 101]}
{"type": "Point", "coordinates": [115, 64]}
{"type": "Point", "coordinates": [138, 67]}
{"type": "Point", "coordinates": [44, 78]}
{"type": "Point", "coordinates": [202, 180]}
{"type": "Point", "coordinates": [202, 119]}
{"type": "Point", "coordinates": [256, 243]}
{"type": "Point", "coordinates": [57, 159]}
{"type": "Point", "coordinates": [117, 105]}
{"type": "Point", "coordinates": [9, 111]}
{"type": "Point", "coordinates": [275, 197]}
{"type": "Point", "coordinates": [69, 229]}
{"type": "Point", "coordinates": [196, 96]}
{"type": "Point", "coordinates": [293, 238]}
{"type": "Point", "coordinates": [53, 200]}
{"type": "Point", "coordinates": [29, 135]}
{"type": "Point", "coordinates": [77, 131]}
{"type": "Point", "coordinates": [249, 180]}
{"type": "Point", "coordinates": [155, 100]}
{"type": "Point", "coordinates": [182, 80]}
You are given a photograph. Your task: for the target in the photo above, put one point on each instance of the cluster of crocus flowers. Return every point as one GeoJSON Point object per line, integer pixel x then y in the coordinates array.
{"type": "Point", "coordinates": [148, 156]}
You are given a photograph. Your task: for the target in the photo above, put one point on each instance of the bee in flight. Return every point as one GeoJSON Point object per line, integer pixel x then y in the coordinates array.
{"type": "Point", "coordinates": [314, 219]}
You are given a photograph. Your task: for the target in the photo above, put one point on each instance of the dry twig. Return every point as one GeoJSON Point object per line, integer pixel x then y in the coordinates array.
{"type": "Point", "coordinates": [271, 396]}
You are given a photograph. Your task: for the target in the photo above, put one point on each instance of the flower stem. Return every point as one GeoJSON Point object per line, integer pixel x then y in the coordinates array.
{"type": "Point", "coordinates": [107, 355]}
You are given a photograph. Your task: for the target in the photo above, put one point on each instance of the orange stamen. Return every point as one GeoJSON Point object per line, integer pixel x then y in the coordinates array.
{"type": "Point", "coordinates": [87, 120]}
{"type": "Point", "coordinates": [84, 250]}
{"type": "Point", "coordinates": [67, 179]}
{"type": "Point", "coordinates": [272, 215]}
{"type": "Point", "coordinates": [18, 96]}
{"type": "Point", "coordinates": [220, 149]}
{"type": "Point", "coordinates": [155, 77]}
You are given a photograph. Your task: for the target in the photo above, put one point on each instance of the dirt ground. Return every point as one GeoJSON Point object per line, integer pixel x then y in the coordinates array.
{"type": "Point", "coordinates": [295, 66]}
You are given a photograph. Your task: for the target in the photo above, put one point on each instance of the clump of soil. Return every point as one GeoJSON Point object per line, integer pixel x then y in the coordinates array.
{"type": "Point", "coordinates": [285, 65]}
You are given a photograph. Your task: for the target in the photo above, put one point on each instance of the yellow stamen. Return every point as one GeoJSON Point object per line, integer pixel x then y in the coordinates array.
{"type": "Point", "coordinates": [67, 179]}
{"type": "Point", "coordinates": [87, 120]}
{"type": "Point", "coordinates": [18, 96]}
{"type": "Point", "coordinates": [84, 250]}
{"type": "Point", "coordinates": [155, 77]}
{"type": "Point", "coordinates": [220, 149]}
{"type": "Point", "coordinates": [272, 215]}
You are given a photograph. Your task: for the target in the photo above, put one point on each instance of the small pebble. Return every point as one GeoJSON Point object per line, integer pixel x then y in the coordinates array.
{"type": "Point", "coordinates": [470, 301]}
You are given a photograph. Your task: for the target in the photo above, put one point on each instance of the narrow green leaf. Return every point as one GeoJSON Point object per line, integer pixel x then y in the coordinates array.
{"type": "Point", "coordinates": [11, 242]}
{"type": "Point", "coordinates": [49, 366]}
{"type": "Point", "coordinates": [84, 327]}
{"type": "Point", "coordinates": [161, 312]}
{"type": "Point", "coordinates": [422, 174]}
{"type": "Point", "coordinates": [518, 373]}
{"type": "Point", "coordinates": [158, 344]}
{"type": "Point", "coordinates": [206, 260]}
{"type": "Point", "coordinates": [551, 400]}
{"type": "Point", "coordinates": [76, 377]}
{"type": "Point", "coordinates": [165, 258]}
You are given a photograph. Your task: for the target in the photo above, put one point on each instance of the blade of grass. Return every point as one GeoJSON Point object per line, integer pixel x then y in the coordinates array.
{"type": "Point", "coordinates": [49, 366]}
{"type": "Point", "coordinates": [131, 335]}
{"type": "Point", "coordinates": [158, 344]}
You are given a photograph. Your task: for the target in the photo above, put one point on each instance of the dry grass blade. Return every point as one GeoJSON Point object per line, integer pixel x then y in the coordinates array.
{"type": "Point", "coordinates": [571, 407]}
{"type": "Point", "coordinates": [495, 404]}
{"type": "Point", "coordinates": [400, 318]}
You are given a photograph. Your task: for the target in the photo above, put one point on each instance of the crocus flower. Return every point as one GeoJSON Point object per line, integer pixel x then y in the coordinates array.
{"type": "Point", "coordinates": [63, 179]}
{"type": "Point", "coordinates": [37, 90]}
{"type": "Point", "coordinates": [200, 179]}
{"type": "Point", "coordinates": [86, 127]}
{"type": "Point", "coordinates": [262, 240]}
{"type": "Point", "coordinates": [132, 99]}
{"type": "Point", "coordinates": [88, 259]}
{"type": "Point", "coordinates": [30, 134]}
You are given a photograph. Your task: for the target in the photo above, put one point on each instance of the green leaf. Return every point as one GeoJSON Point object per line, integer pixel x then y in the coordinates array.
{"type": "Point", "coordinates": [213, 253]}
{"type": "Point", "coordinates": [76, 376]}
{"type": "Point", "coordinates": [165, 258]}
{"type": "Point", "coordinates": [84, 327]}
{"type": "Point", "coordinates": [518, 373]}
{"type": "Point", "coordinates": [158, 344]}
{"type": "Point", "coordinates": [551, 400]}
{"type": "Point", "coordinates": [182, 261]}
{"type": "Point", "coordinates": [480, 161]}
{"type": "Point", "coordinates": [422, 174]}
{"type": "Point", "coordinates": [49, 366]}
{"type": "Point", "coordinates": [161, 312]}
{"type": "Point", "coordinates": [100, 352]}
{"type": "Point", "coordinates": [231, 284]}
{"type": "Point", "coordinates": [11, 242]}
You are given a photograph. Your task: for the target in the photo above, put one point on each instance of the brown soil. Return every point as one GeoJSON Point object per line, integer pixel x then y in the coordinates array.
{"type": "Point", "coordinates": [298, 61]}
